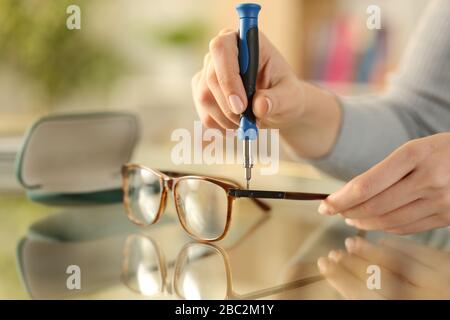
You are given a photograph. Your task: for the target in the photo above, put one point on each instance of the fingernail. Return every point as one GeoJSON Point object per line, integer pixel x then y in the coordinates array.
{"type": "Point", "coordinates": [334, 195]}
{"type": "Point", "coordinates": [324, 209]}
{"type": "Point", "coordinates": [350, 244]}
{"type": "Point", "coordinates": [333, 255]}
{"type": "Point", "coordinates": [349, 222]}
{"type": "Point", "coordinates": [322, 263]}
{"type": "Point", "coordinates": [236, 104]}
{"type": "Point", "coordinates": [269, 106]}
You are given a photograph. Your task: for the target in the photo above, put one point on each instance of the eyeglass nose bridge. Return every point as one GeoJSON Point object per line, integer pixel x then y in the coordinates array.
{"type": "Point", "coordinates": [168, 183]}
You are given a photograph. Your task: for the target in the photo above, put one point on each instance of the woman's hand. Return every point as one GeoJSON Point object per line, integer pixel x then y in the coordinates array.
{"type": "Point", "coordinates": [407, 270]}
{"type": "Point", "coordinates": [219, 94]}
{"type": "Point", "coordinates": [407, 192]}
{"type": "Point", "coordinates": [307, 116]}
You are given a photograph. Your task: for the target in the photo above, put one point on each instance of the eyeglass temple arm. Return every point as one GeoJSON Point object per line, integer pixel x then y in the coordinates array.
{"type": "Point", "coordinates": [261, 204]}
{"type": "Point", "coordinates": [263, 194]}
{"type": "Point", "coordinates": [280, 288]}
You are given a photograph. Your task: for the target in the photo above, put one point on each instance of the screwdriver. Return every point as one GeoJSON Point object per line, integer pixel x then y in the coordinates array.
{"type": "Point", "coordinates": [248, 47]}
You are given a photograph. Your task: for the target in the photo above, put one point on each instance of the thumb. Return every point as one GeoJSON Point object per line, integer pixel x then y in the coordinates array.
{"type": "Point", "coordinates": [279, 102]}
{"type": "Point", "coordinates": [265, 101]}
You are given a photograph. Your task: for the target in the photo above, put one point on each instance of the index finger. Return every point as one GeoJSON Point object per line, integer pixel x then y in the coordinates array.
{"type": "Point", "coordinates": [224, 54]}
{"type": "Point", "coordinates": [374, 181]}
{"type": "Point", "coordinates": [429, 256]}
{"type": "Point", "coordinates": [395, 261]}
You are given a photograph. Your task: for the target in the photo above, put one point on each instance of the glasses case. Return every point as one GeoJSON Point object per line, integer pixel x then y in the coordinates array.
{"type": "Point", "coordinates": [75, 159]}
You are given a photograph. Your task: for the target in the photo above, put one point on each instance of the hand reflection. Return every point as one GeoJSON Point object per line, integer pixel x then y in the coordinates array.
{"type": "Point", "coordinates": [408, 270]}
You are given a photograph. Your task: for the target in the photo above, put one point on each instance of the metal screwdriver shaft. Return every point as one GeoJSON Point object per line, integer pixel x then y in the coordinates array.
{"type": "Point", "coordinates": [248, 161]}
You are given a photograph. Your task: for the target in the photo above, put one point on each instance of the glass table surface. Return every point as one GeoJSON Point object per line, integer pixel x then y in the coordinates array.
{"type": "Point", "coordinates": [95, 252]}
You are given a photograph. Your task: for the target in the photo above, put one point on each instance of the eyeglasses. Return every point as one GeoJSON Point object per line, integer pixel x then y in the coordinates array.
{"type": "Point", "coordinates": [197, 266]}
{"type": "Point", "coordinates": [203, 204]}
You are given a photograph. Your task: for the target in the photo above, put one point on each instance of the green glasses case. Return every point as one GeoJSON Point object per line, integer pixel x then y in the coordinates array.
{"type": "Point", "coordinates": [72, 159]}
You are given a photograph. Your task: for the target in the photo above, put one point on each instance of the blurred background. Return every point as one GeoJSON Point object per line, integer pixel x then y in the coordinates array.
{"type": "Point", "coordinates": [139, 57]}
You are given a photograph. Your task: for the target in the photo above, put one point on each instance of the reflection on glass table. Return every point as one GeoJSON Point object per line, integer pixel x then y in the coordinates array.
{"type": "Point", "coordinates": [89, 237]}
{"type": "Point", "coordinates": [201, 271]}
{"type": "Point", "coordinates": [92, 238]}
{"type": "Point", "coordinates": [144, 267]}
{"type": "Point", "coordinates": [408, 270]}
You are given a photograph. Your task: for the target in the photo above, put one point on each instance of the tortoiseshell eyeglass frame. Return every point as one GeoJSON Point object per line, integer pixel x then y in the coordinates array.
{"type": "Point", "coordinates": [169, 180]}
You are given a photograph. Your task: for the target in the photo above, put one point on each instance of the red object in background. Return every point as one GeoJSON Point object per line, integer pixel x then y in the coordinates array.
{"type": "Point", "coordinates": [340, 62]}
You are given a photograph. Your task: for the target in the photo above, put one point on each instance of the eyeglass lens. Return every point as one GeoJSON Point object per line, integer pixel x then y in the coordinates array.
{"type": "Point", "coordinates": [203, 207]}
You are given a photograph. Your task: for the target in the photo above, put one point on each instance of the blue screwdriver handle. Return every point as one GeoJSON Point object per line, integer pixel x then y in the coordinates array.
{"type": "Point", "coordinates": [248, 46]}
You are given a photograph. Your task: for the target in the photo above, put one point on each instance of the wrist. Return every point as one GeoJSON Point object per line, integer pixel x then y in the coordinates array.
{"type": "Point", "coordinates": [314, 129]}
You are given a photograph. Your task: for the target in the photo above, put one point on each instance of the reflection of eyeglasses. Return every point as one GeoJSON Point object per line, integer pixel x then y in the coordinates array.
{"type": "Point", "coordinates": [203, 204]}
{"type": "Point", "coordinates": [145, 271]}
